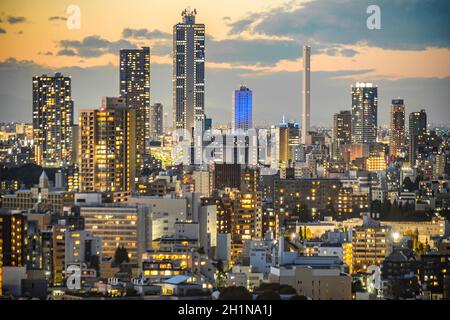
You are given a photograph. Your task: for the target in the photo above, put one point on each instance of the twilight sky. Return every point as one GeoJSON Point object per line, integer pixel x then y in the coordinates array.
{"type": "Point", "coordinates": [257, 42]}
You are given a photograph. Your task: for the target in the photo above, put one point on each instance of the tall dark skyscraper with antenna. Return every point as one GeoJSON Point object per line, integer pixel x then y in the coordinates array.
{"type": "Point", "coordinates": [188, 72]}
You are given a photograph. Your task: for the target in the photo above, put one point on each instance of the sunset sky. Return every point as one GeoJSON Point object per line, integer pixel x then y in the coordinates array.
{"type": "Point", "coordinates": [257, 42]}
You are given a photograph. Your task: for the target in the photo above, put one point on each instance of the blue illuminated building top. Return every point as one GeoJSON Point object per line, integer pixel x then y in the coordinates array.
{"type": "Point", "coordinates": [242, 109]}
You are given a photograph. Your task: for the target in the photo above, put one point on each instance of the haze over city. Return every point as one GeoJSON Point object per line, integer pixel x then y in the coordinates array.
{"type": "Point", "coordinates": [257, 43]}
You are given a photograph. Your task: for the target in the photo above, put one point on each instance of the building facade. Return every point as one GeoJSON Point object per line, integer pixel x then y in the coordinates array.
{"type": "Point", "coordinates": [135, 89]}
{"type": "Point", "coordinates": [52, 120]}
{"type": "Point", "coordinates": [13, 238]}
{"type": "Point", "coordinates": [364, 113]}
{"type": "Point", "coordinates": [242, 109]}
{"type": "Point", "coordinates": [188, 72]}
{"type": "Point", "coordinates": [397, 127]}
{"type": "Point", "coordinates": [156, 121]}
{"type": "Point", "coordinates": [118, 226]}
{"type": "Point", "coordinates": [108, 156]}
{"type": "Point", "coordinates": [342, 130]}
{"type": "Point", "coordinates": [417, 135]}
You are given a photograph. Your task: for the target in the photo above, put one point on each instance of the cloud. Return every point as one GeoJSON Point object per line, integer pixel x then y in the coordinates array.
{"type": "Point", "coordinates": [241, 25]}
{"type": "Point", "coordinates": [56, 18]}
{"type": "Point", "coordinates": [2, 30]}
{"type": "Point", "coordinates": [47, 53]}
{"type": "Point", "coordinates": [93, 46]}
{"type": "Point", "coordinates": [145, 34]}
{"type": "Point", "coordinates": [349, 52]}
{"type": "Point", "coordinates": [16, 20]}
{"type": "Point", "coordinates": [257, 51]}
{"type": "Point", "coordinates": [412, 24]}
{"type": "Point", "coordinates": [334, 50]}
{"type": "Point", "coordinates": [279, 90]}
{"type": "Point", "coordinates": [66, 52]}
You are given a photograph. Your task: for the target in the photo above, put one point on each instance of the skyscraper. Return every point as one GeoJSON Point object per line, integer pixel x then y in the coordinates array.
{"type": "Point", "coordinates": [188, 72]}
{"type": "Point", "coordinates": [397, 127]}
{"type": "Point", "coordinates": [156, 121]}
{"type": "Point", "coordinates": [288, 140]}
{"type": "Point", "coordinates": [417, 135]}
{"type": "Point", "coordinates": [242, 109]}
{"type": "Point", "coordinates": [52, 120]}
{"type": "Point", "coordinates": [107, 147]}
{"type": "Point", "coordinates": [135, 89]}
{"type": "Point", "coordinates": [342, 130]}
{"type": "Point", "coordinates": [306, 93]}
{"type": "Point", "coordinates": [364, 113]}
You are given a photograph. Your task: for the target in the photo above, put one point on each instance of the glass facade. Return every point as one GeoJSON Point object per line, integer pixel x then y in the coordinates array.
{"type": "Point", "coordinates": [242, 109]}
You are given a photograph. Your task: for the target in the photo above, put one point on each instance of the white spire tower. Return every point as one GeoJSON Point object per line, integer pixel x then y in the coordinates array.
{"type": "Point", "coordinates": [306, 94]}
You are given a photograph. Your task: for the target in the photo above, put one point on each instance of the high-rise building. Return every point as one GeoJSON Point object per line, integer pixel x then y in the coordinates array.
{"type": "Point", "coordinates": [156, 121]}
{"type": "Point", "coordinates": [242, 109]}
{"type": "Point", "coordinates": [342, 130]}
{"type": "Point", "coordinates": [135, 89]}
{"type": "Point", "coordinates": [306, 93]}
{"type": "Point", "coordinates": [52, 120]}
{"type": "Point", "coordinates": [289, 139]}
{"type": "Point", "coordinates": [397, 127]}
{"type": "Point", "coordinates": [107, 147]}
{"type": "Point", "coordinates": [417, 135]}
{"type": "Point", "coordinates": [364, 113]}
{"type": "Point", "coordinates": [188, 72]}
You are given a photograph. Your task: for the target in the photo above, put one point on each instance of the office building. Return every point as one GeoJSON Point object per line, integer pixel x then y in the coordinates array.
{"type": "Point", "coordinates": [242, 111]}
{"type": "Point", "coordinates": [286, 140]}
{"type": "Point", "coordinates": [119, 226]}
{"type": "Point", "coordinates": [188, 72]}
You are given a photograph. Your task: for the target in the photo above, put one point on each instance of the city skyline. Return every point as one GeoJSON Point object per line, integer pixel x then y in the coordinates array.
{"type": "Point", "coordinates": [256, 198]}
{"type": "Point", "coordinates": [262, 52]}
